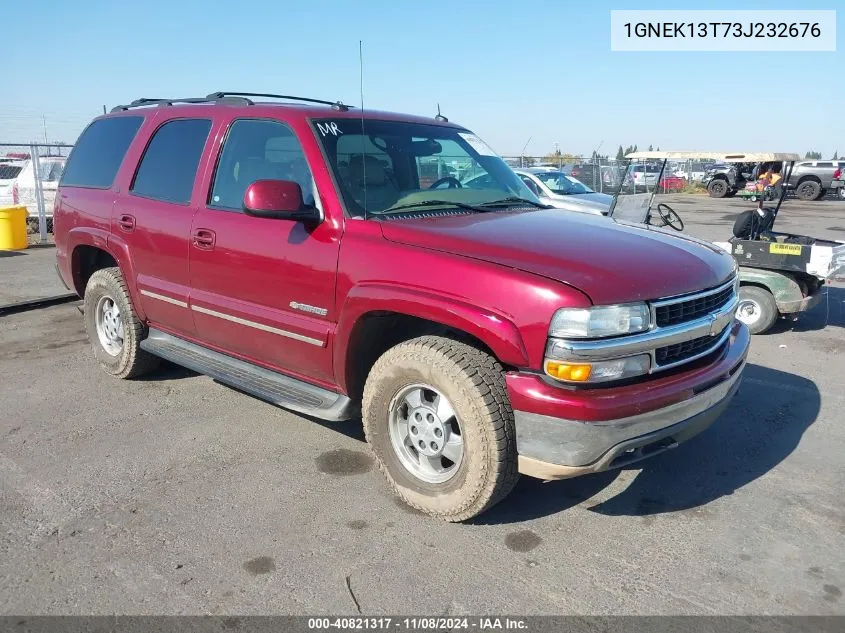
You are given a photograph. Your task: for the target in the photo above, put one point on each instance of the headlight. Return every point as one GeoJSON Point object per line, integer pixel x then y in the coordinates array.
{"type": "Point", "coordinates": [600, 321]}
{"type": "Point", "coordinates": [598, 371]}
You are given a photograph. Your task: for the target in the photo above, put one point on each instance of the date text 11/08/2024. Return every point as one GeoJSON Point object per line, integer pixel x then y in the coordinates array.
{"type": "Point", "coordinates": [418, 624]}
{"type": "Point", "coordinates": [722, 29]}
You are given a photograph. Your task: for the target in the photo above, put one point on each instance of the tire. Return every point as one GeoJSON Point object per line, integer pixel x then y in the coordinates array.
{"type": "Point", "coordinates": [718, 188]}
{"type": "Point", "coordinates": [808, 190]}
{"type": "Point", "coordinates": [472, 383]}
{"type": "Point", "coordinates": [753, 198]}
{"type": "Point", "coordinates": [127, 360]}
{"type": "Point", "coordinates": [841, 193]}
{"type": "Point", "coordinates": [757, 309]}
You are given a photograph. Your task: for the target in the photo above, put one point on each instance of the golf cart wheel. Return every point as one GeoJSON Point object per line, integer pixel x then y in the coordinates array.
{"type": "Point", "coordinates": [753, 198]}
{"type": "Point", "coordinates": [438, 419]}
{"type": "Point", "coordinates": [808, 190]}
{"type": "Point", "coordinates": [757, 309]}
{"type": "Point", "coordinates": [717, 188]}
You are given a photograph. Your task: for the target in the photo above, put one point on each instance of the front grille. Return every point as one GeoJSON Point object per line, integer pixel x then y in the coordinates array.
{"type": "Point", "coordinates": [683, 351]}
{"type": "Point", "coordinates": [684, 310]}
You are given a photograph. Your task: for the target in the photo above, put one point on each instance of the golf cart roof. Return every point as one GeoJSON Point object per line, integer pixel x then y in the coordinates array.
{"type": "Point", "coordinates": [731, 157]}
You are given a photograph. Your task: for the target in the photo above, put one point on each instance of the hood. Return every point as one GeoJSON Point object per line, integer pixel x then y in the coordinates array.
{"type": "Point", "coordinates": [599, 201]}
{"type": "Point", "coordinates": [610, 261]}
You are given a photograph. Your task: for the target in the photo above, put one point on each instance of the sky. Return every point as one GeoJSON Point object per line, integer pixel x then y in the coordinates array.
{"type": "Point", "coordinates": [539, 72]}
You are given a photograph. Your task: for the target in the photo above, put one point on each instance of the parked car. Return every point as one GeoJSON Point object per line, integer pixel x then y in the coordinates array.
{"type": "Point", "coordinates": [10, 169]}
{"type": "Point", "coordinates": [811, 179]}
{"type": "Point", "coordinates": [643, 176]}
{"type": "Point", "coordinates": [288, 249]}
{"type": "Point", "coordinates": [838, 182]}
{"type": "Point", "coordinates": [22, 189]}
{"type": "Point", "coordinates": [725, 179]}
{"type": "Point", "coordinates": [672, 182]}
{"type": "Point", "coordinates": [564, 192]}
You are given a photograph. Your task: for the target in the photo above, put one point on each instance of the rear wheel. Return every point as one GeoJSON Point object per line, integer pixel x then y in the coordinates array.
{"type": "Point", "coordinates": [113, 329]}
{"type": "Point", "coordinates": [808, 190]}
{"type": "Point", "coordinates": [437, 417]}
{"type": "Point", "coordinates": [717, 188]}
{"type": "Point", "coordinates": [757, 309]}
{"type": "Point", "coordinates": [841, 193]}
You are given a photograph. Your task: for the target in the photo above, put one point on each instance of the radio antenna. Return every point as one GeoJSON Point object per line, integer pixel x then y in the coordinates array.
{"type": "Point", "coordinates": [363, 133]}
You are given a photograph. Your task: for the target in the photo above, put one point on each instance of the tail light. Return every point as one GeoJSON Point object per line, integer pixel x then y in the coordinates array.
{"type": "Point", "coordinates": [15, 198]}
{"type": "Point", "coordinates": [837, 174]}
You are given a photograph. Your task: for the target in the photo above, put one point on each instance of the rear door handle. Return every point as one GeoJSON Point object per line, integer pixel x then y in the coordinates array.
{"type": "Point", "coordinates": [204, 238]}
{"type": "Point", "coordinates": [126, 223]}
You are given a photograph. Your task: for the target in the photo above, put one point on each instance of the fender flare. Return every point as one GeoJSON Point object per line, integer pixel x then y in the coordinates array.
{"type": "Point", "coordinates": [114, 246]}
{"type": "Point", "coordinates": [496, 331]}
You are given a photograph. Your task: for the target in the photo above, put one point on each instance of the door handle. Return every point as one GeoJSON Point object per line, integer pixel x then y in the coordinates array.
{"type": "Point", "coordinates": [126, 223]}
{"type": "Point", "coordinates": [204, 238]}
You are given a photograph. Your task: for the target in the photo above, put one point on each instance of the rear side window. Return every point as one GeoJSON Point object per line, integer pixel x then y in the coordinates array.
{"type": "Point", "coordinates": [9, 172]}
{"type": "Point", "coordinates": [169, 165]}
{"type": "Point", "coordinates": [98, 153]}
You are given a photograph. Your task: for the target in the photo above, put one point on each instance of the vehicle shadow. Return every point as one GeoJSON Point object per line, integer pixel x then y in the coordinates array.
{"type": "Point", "coordinates": [167, 371]}
{"type": "Point", "coordinates": [9, 253]}
{"type": "Point", "coordinates": [829, 312]}
{"type": "Point", "coordinates": [761, 428]}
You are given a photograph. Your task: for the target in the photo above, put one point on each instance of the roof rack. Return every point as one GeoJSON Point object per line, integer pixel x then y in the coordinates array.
{"type": "Point", "coordinates": [336, 105]}
{"type": "Point", "coordinates": [143, 102]}
{"type": "Point", "coordinates": [232, 98]}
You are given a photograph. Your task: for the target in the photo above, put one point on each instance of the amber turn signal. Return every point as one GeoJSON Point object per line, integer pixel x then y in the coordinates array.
{"type": "Point", "coordinates": [567, 371]}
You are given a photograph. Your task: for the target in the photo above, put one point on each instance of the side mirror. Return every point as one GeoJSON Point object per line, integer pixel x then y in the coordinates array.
{"type": "Point", "coordinates": [279, 199]}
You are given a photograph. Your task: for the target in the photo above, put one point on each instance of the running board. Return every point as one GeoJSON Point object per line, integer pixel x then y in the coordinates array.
{"type": "Point", "coordinates": [271, 386]}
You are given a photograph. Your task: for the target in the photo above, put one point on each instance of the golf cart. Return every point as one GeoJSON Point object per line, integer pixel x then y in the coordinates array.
{"type": "Point", "coordinates": [780, 274]}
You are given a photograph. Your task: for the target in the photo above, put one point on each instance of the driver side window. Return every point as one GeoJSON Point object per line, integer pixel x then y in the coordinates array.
{"type": "Point", "coordinates": [258, 149]}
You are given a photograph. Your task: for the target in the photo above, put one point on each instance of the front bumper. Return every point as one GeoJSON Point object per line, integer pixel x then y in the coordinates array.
{"type": "Point", "coordinates": [554, 447]}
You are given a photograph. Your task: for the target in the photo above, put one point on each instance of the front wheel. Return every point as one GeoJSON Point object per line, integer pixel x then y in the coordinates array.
{"type": "Point", "coordinates": [437, 417]}
{"type": "Point", "coordinates": [717, 188]}
{"type": "Point", "coordinates": [757, 309]}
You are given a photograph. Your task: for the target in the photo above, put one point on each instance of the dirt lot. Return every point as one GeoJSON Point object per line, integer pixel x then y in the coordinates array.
{"type": "Point", "coordinates": [176, 494]}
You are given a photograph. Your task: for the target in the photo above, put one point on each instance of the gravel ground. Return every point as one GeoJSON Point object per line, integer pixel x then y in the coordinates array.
{"type": "Point", "coordinates": [175, 494]}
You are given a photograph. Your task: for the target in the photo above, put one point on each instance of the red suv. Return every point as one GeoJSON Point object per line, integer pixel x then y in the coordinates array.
{"type": "Point", "coordinates": [288, 248]}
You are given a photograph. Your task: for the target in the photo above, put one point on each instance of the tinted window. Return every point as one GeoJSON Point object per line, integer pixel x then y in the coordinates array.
{"type": "Point", "coordinates": [169, 166]}
{"type": "Point", "coordinates": [258, 150]}
{"type": "Point", "coordinates": [98, 153]}
{"type": "Point", "coordinates": [9, 172]}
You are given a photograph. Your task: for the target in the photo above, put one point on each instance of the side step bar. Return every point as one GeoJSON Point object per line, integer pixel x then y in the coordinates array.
{"type": "Point", "coordinates": [271, 386]}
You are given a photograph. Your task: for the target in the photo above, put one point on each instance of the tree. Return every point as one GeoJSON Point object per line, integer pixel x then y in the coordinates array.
{"type": "Point", "coordinates": [650, 148]}
{"type": "Point", "coordinates": [620, 153]}
{"type": "Point", "coordinates": [835, 155]}
{"type": "Point", "coordinates": [812, 155]}
{"type": "Point", "coordinates": [635, 148]}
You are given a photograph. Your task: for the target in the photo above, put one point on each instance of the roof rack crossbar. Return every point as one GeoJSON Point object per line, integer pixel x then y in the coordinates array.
{"type": "Point", "coordinates": [337, 105]}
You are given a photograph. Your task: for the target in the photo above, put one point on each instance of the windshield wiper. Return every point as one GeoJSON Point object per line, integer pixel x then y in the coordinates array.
{"type": "Point", "coordinates": [515, 200]}
{"type": "Point", "coordinates": [432, 203]}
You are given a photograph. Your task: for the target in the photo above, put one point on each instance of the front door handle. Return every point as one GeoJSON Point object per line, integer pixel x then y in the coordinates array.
{"type": "Point", "coordinates": [126, 223]}
{"type": "Point", "coordinates": [204, 239]}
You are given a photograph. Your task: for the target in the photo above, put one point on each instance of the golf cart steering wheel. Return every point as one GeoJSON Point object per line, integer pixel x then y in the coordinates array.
{"type": "Point", "coordinates": [450, 179]}
{"type": "Point", "coordinates": [669, 217]}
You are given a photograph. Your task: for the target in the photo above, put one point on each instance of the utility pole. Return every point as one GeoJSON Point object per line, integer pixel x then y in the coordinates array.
{"type": "Point", "coordinates": [44, 121]}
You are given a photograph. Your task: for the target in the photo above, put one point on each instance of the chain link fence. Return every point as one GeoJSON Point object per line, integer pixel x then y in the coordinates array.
{"type": "Point", "coordinates": [29, 177]}
{"type": "Point", "coordinates": [608, 175]}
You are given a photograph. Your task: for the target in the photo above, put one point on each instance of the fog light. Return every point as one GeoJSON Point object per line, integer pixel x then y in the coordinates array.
{"type": "Point", "coordinates": [599, 371]}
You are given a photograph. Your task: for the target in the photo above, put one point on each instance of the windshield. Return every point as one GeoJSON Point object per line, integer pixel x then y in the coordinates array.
{"type": "Point", "coordinates": [392, 164]}
{"type": "Point", "coordinates": [562, 184]}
